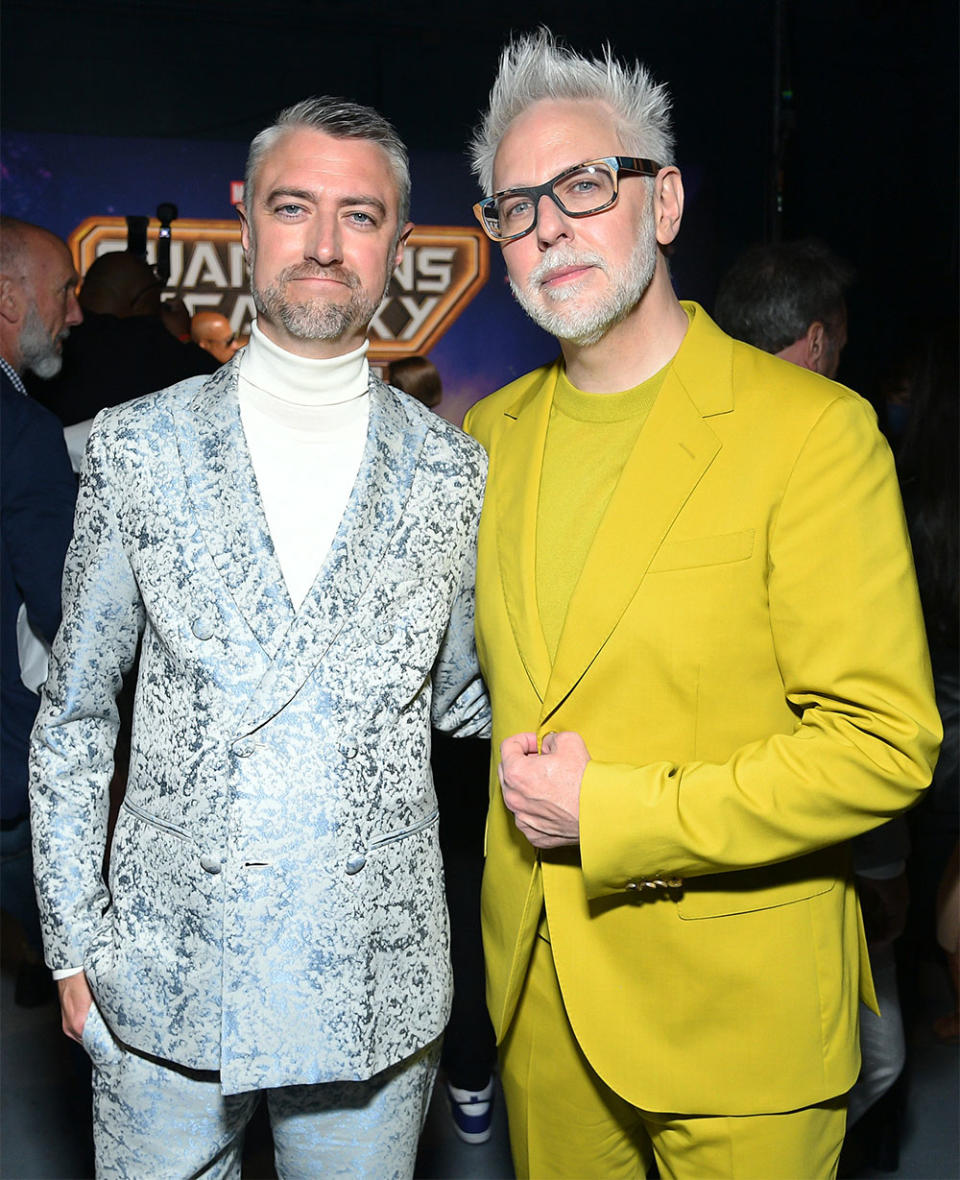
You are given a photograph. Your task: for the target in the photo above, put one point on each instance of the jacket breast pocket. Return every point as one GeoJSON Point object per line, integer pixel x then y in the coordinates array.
{"type": "Point", "coordinates": [722, 894]}
{"type": "Point", "coordinates": [723, 549]}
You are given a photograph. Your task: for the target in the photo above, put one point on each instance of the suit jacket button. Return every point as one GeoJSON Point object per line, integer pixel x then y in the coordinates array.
{"type": "Point", "coordinates": [210, 864]}
{"type": "Point", "coordinates": [243, 748]}
{"type": "Point", "coordinates": [383, 634]}
{"type": "Point", "coordinates": [355, 863]}
{"type": "Point", "coordinates": [203, 627]}
{"type": "Point", "coordinates": [632, 885]}
{"type": "Point", "coordinates": [349, 750]}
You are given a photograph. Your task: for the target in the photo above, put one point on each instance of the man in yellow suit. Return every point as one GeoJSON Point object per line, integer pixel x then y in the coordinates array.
{"type": "Point", "coordinates": [698, 620]}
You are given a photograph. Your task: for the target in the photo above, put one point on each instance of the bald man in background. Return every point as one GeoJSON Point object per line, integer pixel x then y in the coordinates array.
{"type": "Point", "coordinates": [211, 331]}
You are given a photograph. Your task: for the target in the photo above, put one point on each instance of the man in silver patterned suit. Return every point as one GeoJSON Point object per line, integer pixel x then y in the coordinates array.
{"type": "Point", "coordinates": [294, 542]}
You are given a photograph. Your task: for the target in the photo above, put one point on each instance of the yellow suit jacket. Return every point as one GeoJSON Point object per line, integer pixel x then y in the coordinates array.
{"type": "Point", "coordinates": [744, 656]}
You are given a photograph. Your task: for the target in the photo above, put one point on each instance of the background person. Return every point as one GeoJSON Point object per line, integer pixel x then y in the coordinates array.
{"type": "Point", "coordinates": [38, 308]}
{"type": "Point", "coordinates": [211, 331]}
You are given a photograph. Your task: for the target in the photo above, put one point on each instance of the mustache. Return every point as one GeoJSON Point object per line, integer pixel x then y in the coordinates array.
{"type": "Point", "coordinates": [559, 258]}
{"type": "Point", "coordinates": [309, 270]}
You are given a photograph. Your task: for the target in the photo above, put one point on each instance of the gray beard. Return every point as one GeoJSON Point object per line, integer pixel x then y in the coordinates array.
{"type": "Point", "coordinates": [316, 319]}
{"type": "Point", "coordinates": [38, 352]}
{"type": "Point", "coordinates": [587, 325]}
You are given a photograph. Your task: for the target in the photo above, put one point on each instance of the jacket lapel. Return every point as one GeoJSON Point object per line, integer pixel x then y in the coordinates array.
{"type": "Point", "coordinates": [223, 489]}
{"type": "Point", "coordinates": [519, 464]}
{"type": "Point", "coordinates": [674, 449]}
{"type": "Point", "coordinates": [373, 511]}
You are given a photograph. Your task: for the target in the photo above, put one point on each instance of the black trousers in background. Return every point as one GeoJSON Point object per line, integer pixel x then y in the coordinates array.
{"type": "Point", "coordinates": [460, 772]}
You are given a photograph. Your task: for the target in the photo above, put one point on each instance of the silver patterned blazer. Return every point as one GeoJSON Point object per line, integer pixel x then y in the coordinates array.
{"type": "Point", "coordinates": [274, 905]}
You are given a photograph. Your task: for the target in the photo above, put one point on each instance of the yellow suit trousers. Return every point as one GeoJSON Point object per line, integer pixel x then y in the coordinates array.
{"type": "Point", "coordinates": [566, 1122]}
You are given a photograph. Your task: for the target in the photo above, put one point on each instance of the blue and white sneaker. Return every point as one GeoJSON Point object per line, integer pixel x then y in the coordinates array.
{"type": "Point", "coordinates": [472, 1112]}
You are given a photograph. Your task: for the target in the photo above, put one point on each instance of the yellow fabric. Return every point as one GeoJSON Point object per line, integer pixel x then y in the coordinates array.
{"type": "Point", "coordinates": [566, 1122]}
{"type": "Point", "coordinates": [588, 440]}
{"type": "Point", "coordinates": [746, 662]}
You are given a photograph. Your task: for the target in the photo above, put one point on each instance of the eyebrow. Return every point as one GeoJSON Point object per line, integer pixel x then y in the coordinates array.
{"type": "Point", "coordinates": [309, 195]}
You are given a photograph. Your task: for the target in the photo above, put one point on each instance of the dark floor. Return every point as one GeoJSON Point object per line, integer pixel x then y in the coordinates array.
{"type": "Point", "coordinates": [45, 1126]}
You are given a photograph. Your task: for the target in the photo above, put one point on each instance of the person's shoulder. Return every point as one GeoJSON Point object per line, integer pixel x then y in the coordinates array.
{"type": "Point", "coordinates": [442, 433]}
{"type": "Point", "coordinates": [24, 416]}
{"type": "Point", "coordinates": [485, 414]}
{"type": "Point", "coordinates": [156, 408]}
{"type": "Point", "coordinates": [785, 391]}
{"type": "Point", "coordinates": [127, 433]}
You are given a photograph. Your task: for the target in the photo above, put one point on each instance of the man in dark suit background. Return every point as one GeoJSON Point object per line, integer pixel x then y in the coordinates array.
{"type": "Point", "coordinates": [38, 306]}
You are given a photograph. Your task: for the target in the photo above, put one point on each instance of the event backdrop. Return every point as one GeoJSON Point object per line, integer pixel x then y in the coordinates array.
{"type": "Point", "coordinates": [449, 300]}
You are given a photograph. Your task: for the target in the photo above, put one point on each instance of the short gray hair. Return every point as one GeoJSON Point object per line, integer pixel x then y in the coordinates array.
{"type": "Point", "coordinates": [340, 119]}
{"type": "Point", "coordinates": [774, 292]}
{"type": "Point", "coordinates": [535, 67]}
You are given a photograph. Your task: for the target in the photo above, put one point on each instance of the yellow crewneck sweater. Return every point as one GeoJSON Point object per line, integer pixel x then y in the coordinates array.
{"type": "Point", "coordinates": [589, 439]}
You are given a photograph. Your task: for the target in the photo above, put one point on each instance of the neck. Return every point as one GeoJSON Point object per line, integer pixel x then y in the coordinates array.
{"type": "Point", "coordinates": [319, 350]}
{"type": "Point", "coordinates": [636, 348]}
{"type": "Point", "coordinates": [298, 381]}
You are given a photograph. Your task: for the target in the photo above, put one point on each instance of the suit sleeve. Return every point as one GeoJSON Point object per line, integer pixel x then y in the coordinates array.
{"type": "Point", "coordinates": [849, 639]}
{"type": "Point", "coordinates": [460, 703]}
{"type": "Point", "coordinates": [71, 760]}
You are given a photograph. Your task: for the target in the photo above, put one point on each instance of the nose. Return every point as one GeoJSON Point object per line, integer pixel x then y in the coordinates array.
{"type": "Point", "coordinates": [74, 313]}
{"type": "Point", "coordinates": [552, 223]}
{"type": "Point", "coordinates": [324, 244]}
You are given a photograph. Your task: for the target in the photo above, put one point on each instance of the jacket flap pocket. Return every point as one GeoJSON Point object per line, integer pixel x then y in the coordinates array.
{"type": "Point", "coordinates": [741, 892]}
{"type": "Point", "coordinates": [719, 550]}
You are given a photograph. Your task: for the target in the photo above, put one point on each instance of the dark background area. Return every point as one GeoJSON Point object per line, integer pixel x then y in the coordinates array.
{"type": "Point", "coordinates": [868, 109]}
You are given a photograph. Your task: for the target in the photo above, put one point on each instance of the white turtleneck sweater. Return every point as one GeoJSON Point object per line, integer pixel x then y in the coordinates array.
{"type": "Point", "coordinates": [306, 425]}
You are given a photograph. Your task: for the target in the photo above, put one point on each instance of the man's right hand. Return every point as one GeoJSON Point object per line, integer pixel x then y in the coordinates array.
{"type": "Point", "coordinates": [75, 1001]}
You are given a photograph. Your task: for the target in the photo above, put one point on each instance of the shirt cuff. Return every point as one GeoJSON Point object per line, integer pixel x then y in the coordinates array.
{"type": "Point", "coordinates": [66, 972]}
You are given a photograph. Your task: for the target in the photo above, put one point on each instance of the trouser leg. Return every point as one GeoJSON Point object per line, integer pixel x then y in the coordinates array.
{"type": "Point", "coordinates": [565, 1121]}
{"type": "Point", "coordinates": [157, 1119]}
{"type": "Point", "coordinates": [797, 1145]}
{"type": "Point", "coordinates": [354, 1130]}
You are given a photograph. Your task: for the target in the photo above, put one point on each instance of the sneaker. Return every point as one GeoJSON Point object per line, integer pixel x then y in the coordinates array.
{"type": "Point", "coordinates": [472, 1112]}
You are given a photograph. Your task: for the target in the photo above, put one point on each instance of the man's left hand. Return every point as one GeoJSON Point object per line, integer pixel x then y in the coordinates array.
{"type": "Point", "coordinates": [543, 789]}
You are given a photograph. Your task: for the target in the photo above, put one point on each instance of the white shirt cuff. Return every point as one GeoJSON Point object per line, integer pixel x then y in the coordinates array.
{"type": "Point", "coordinates": [66, 972]}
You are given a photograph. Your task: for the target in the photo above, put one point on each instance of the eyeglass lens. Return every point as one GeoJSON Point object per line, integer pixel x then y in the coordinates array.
{"type": "Point", "coordinates": [581, 191]}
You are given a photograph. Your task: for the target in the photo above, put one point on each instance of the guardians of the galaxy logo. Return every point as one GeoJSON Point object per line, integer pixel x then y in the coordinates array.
{"type": "Point", "coordinates": [443, 268]}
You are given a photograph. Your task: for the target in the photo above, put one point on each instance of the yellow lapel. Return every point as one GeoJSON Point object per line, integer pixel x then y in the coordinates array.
{"type": "Point", "coordinates": [674, 449]}
{"type": "Point", "coordinates": [519, 462]}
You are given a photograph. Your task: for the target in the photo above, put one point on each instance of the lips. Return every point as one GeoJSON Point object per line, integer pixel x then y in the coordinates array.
{"type": "Point", "coordinates": [334, 274]}
{"type": "Point", "coordinates": [563, 274]}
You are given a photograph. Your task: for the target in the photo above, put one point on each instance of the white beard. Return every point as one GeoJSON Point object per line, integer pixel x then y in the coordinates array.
{"type": "Point", "coordinates": [38, 351]}
{"type": "Point", "coordinates": [587, 324]}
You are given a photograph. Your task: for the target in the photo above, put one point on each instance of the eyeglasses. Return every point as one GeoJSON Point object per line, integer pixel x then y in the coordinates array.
{"type": "Point", "coordinates": [586, 188]}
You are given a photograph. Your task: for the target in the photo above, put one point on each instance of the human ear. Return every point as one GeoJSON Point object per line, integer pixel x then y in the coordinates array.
{"type": "Point", "coordinates": [401, 242]}
{"type": "Point", "coordinates": [246, 235]}
{"type": "Point", "coordinates": [11, 300]}
{"type": "Point", "coordinates": [668, 204]}
{"type": "Point", "coordinates": [816, 346]}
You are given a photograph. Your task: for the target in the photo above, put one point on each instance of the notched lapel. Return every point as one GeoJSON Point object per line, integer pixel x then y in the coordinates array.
{"type": "Point", "coordinates": [372, 514]}
{"type": "Point", "coordinates": [223, 489]}
{"type": "Point", "coordinates": [674, 449]}
{"type": "Point", "coordinates": [519, 464]}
